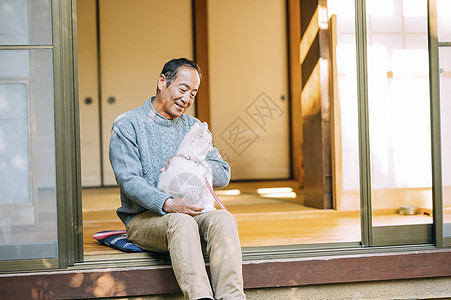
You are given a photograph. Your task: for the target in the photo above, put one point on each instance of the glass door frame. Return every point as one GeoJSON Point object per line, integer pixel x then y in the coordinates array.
{"type": "Point", "coordinates": [71, 245]}
{"type": "Point", "coordinates": [434, 71]}
{"type": "Point", "coordinates": [69, 192]}
{"type": "Point", "coordinates": [67, 134]}
{"type": "Point", "coordinates": [68, 164]}
{"type": "Point", "coordinates": [67, 150]}
{"type": "Point", "coordinates": [421, 234]}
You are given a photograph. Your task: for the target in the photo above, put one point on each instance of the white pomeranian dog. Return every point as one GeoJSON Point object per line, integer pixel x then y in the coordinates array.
{"type": "Point", "coordinates": [185, 173]}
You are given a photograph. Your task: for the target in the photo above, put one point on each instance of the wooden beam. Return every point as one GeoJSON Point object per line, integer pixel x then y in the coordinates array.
{"type": "Point", "coordinates": [140, 281]}
{"type": "Point", "coordinates": [201, 57]}
{"type": "Point", "coordinates": [315, 99]}
{"type": "Point", "coordinates": [294, 40]}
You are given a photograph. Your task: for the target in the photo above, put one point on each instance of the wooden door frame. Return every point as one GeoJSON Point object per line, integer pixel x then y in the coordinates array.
{"type": "Point", "coordinates": [295, 79]}
{"type": "Point", "coordinates": [200, 36]}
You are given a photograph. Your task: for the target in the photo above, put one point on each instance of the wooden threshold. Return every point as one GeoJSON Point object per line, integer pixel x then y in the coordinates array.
{"type": "Point", "coordinates": [141, 281]}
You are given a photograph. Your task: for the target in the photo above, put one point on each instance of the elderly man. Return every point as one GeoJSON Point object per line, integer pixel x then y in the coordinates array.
{"type": "Point", "coordinates": [142, 141]}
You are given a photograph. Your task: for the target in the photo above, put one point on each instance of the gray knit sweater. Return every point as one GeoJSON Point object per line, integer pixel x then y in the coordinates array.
{"type": "Point", "coordinates": [141, 143]}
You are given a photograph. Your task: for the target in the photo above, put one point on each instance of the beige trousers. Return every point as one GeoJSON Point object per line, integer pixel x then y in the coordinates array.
{"type": "Point", "coordinates": [183, 236]}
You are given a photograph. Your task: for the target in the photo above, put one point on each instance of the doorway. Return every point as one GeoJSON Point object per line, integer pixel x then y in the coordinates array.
{"type": "Point", "coordinates": [249, 102]}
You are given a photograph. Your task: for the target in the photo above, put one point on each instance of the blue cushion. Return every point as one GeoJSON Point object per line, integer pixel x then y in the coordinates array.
{"type": "Point", "coordinates": [120, 242]}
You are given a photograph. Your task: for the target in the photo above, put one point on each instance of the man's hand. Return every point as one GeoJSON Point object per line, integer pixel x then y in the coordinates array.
{"type": "Point", "coordinates": [181, 205]}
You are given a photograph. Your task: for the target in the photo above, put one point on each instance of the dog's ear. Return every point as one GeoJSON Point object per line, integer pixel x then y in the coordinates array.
{"type": "Point", "coordinates": [195, 127]}
{"type": "Point", "coordinates": [204, 126]}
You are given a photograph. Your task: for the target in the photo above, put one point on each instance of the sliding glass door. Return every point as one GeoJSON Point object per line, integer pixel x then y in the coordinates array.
{"type": "Point", "coordinates": [399, 122]}
{"type": "Point", "coordinates": [444, 70]}
{"type": "Point", "coordinates": [28, 222]}
{"type": "Point", "coordinates": [38, 136]}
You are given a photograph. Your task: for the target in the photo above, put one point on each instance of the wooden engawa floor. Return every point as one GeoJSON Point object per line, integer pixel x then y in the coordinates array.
{"type": "Point", "coordinates": [262, 221]}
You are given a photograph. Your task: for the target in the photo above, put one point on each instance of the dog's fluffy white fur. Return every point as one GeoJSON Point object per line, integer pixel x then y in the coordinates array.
{"type": "Point", "coordinates": [185, 173]}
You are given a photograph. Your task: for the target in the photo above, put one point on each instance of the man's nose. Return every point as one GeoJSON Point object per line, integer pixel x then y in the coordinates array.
{"type": "Point", "coordinates": [185, 98]}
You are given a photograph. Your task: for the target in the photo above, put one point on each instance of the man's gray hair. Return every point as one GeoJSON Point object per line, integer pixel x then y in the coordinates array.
{"type": "Point", "coordinates": [172, 67]}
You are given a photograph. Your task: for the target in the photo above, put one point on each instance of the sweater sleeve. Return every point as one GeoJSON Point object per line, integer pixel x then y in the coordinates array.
{"type": "Point", "coordinates": [219, 168]}
{"type": "Point", "coordinates": [126, 162]}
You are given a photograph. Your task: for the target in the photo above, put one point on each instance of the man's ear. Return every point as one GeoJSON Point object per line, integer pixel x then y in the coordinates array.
{"type": "Point", "coordinates": [162, 82]}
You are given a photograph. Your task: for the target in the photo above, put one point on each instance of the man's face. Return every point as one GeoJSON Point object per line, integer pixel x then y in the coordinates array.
{"type": "Point", "coordinates": [179, 95]}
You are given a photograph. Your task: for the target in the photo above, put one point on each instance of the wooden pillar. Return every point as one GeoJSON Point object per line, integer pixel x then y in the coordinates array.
{"type": "Point", "coordinates": [294, 38]}
{"type": "Point", "coordinates": [314, 57]}
{"type": "Point", "coordinates": [201, 57]}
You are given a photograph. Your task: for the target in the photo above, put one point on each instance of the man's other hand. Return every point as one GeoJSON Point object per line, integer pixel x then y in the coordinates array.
{"type": "Point", "coordinates": [182, 205]}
